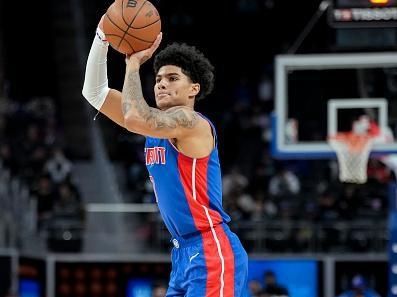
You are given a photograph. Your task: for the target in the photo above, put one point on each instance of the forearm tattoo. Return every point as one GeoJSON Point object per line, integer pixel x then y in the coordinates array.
{"type": "Point", "coordinates": [132, 92]}
{"type": "Point", "coordinates": [132, 98]}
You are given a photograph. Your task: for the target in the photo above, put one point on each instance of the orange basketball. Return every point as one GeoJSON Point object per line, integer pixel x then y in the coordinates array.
{"type": "Point", "coordinates": [131, 25]}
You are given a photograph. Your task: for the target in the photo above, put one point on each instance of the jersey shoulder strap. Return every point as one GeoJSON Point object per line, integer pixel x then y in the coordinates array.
{"type": "Point", "coordinates": [213, 130]}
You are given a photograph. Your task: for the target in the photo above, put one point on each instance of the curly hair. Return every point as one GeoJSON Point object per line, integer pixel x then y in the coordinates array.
{"type": "Point", "coordinates": [192, 62]}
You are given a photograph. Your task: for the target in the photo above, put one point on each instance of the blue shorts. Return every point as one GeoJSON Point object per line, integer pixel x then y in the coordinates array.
{"type": "Point", "coordinates": [210, 264]}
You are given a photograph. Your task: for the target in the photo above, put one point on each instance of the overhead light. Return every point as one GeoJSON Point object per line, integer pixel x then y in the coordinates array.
{"type": "Point", "coordinates": [379, 1]}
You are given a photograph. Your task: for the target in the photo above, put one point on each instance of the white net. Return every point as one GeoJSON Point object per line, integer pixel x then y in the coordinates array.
{"type": "Point", "coordinates": [352, 151]}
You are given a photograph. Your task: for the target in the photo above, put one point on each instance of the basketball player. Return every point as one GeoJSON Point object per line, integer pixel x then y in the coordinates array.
{"type": "Point", "coordinates": [182, 160]}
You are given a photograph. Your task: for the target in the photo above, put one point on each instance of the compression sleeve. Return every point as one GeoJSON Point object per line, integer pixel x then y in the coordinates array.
{"type": "Point", "coordinates": [96, 87]}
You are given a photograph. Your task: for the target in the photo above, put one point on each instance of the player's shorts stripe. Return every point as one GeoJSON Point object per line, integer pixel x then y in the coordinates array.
{"type": "Point", "coordinates": [215, 280]}
{"type": "Point", "coordinates": [194, 180]}
{"type": "Point", "coordinates": [220, 263]}
{"type": "Point", "coordinates": [228, 256]}
{"type": "Point", "coordinates": [215, 265]}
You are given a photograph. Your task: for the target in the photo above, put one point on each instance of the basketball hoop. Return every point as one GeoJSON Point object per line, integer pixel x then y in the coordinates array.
{"type": "Point", "coordinates": [352, 151]}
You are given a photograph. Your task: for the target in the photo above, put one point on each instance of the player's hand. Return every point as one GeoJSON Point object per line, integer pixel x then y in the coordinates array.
{"type": "Point", "coordinates": [142, 56]}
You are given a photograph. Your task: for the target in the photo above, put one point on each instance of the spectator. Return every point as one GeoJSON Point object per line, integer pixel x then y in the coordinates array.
{"type": "Point", "coordinates": [45, 195]}
{"type": "Point", "coordinates": [234, 180]}
{"type": "Point", "coordinates": [378, 172]}
{"type": "Point", "coordinates": [284, 183]}
{"type": "Point", "coordinates": [159, 290]}
{"type": "Point", "coordinates": [272, 288]}
{"type": "Point", "coordinates": [328, 209]}
{"type": "Point", "coordinates": [240, 202]}
{"type": "Point", "coordinates": [68, 202]}
{"type": "Point", "coordinates": [359, 289]}
{"type": "Point", "coordinates": [7, 158]}
{"type": "Point", "coordinates": [58, 167]}
{"type": "Point", "coordinates": [255, 288]}
{"type": "Point", "coordinates": [245, 202]}
{"type": "Point", "coordinates": [350, 201]}
{"type": "Point", "coordinates": [265, 88]}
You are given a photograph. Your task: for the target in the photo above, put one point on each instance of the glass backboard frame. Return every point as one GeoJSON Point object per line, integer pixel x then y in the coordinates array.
{"type": "Point", "coordinates": [280, 147]}
{"type": "Point", "coordinates": [350, 103]}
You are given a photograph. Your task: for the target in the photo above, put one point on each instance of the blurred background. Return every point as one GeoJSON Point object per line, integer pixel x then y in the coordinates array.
{"type": "Point", "coordinates": [77, 210]}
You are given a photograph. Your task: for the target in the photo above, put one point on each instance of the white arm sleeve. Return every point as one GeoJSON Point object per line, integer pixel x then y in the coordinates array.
{"type": "Point", "coordinates": [96, 87]}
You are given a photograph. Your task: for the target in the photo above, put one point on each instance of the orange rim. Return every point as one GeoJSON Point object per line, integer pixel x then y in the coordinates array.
{"type": "Point", "coordinates": [355, 142]}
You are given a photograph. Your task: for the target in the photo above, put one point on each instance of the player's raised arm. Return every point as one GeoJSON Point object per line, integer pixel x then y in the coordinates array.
{"type": "Point", "coordinates": [172, 123]}
{"type": "Point", "coordinates": [96, 89]}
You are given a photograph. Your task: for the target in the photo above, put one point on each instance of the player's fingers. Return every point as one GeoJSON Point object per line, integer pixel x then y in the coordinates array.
{"type": "Point", "coordinates": [157, 42]}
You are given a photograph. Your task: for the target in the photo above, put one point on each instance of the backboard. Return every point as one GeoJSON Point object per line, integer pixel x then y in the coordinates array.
{"type": "Point", "coordinates": [320, 95]}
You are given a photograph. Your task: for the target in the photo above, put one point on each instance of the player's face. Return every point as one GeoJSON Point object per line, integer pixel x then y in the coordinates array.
{"type": "Point", "coordinates": [174, 88]}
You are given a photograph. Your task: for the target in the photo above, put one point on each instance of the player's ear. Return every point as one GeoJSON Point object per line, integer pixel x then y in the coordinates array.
{"type": "Point", "coordinates": [194, 89]}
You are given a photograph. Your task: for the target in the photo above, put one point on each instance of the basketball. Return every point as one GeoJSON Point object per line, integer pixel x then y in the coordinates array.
{"type": "Point", "coordinates": [131, 26]}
